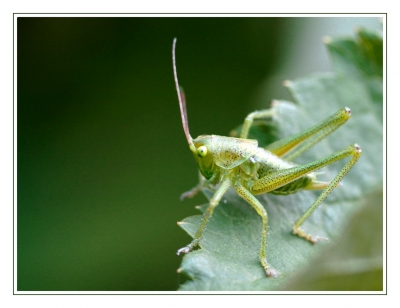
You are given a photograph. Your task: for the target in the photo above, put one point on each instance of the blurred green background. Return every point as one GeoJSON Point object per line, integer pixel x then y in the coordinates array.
{"type": "Point", "coordinates": [102, 158]}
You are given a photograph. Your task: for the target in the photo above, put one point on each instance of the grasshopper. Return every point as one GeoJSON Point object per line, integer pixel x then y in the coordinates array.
{"type": "Point", "coordinates": [251, 170]}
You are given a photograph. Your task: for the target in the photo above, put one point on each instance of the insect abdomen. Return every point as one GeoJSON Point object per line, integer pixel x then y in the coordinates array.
{"type": "Point", "coordinates": [292, 187]}
{"type": "Point", "coordinates": [270, 163]}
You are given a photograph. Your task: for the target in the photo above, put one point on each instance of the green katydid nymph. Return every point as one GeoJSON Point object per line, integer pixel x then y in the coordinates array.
{"type": "Point", "coordinates": [251, 170]}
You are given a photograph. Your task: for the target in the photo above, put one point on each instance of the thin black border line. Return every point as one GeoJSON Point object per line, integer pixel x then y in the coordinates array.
{"type": "Point", "coordinates": [192, 13]}
{"type": "Point", "coordinates": [13, 198]}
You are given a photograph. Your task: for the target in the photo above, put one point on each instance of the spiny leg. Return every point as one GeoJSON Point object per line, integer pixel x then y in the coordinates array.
{"type": "Point", "coordinates": [293, 146]}
{"type": "Point", "coordinates": [286, 176]}
{"type": "Point", "coordinates": [355, 152]}
{"type": "Point", "coordinates": [282, 177]}
{"type": "Point", "coordinates": [246, 195]}
{"type": "Point", "coordinates": [207, 214]}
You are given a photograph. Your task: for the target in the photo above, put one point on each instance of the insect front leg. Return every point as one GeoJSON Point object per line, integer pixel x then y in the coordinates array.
{"type": "Point", "coordinates": [286, 176]}
{"type": "Point", "coordinates": [191, 193]}
{"type": "Point", "coordinates": [207, 214]}
{"type": "Point", "coordinates": [246, 195]}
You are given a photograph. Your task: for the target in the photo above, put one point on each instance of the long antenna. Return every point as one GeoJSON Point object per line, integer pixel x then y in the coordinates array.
{"type": "Point", "coordinates": [182, 102]}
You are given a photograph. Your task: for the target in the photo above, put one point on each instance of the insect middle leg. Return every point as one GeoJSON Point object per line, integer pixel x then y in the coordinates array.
{"type": "Point", "coordinates": [246, 195]}
{"type": "Point", "coordinates": [262, 114]}
{"type": "Point", "coordinates": [286, 176]}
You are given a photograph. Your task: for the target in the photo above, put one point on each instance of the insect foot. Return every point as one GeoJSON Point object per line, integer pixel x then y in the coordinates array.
{"type": "Point", "coordinates": [308, 237]}
{"type": "Point", "coordinates": [191, 193]}
{"type": "Point", "coordinates": [185, 249]}
{"type": "Point", "coordinates": [271, 272]}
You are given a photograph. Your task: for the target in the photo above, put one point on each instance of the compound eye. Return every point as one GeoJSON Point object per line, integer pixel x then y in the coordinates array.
{"type": "Point", "coordinates": [202, 151]}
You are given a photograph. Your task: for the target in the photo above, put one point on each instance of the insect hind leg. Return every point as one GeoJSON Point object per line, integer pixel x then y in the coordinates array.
{"type": "Point", "coordinates": [355, 152]}
{"type": "Point", "coordinates": [284, 177]}
{"type": "Point", "coordinates": [293, 146]}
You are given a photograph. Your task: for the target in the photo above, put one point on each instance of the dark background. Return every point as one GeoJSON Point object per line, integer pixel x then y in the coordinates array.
{"type": "Point", "coordinates": [101, 154]}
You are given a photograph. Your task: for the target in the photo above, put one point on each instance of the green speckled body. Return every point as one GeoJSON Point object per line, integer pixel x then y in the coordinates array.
{"type": "Point", "coordinates": [242, 160]}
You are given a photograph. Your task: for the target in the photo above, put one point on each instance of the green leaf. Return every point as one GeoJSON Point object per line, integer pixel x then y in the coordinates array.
{"type": "Point", "coordinates": [228, 254]}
